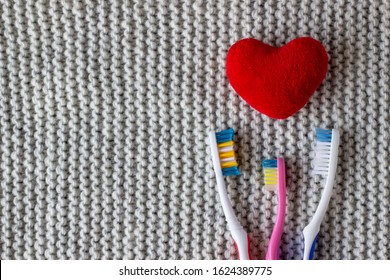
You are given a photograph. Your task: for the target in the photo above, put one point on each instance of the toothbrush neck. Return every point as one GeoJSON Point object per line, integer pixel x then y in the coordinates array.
{"type": "Point", "coordinates": [324, 202]}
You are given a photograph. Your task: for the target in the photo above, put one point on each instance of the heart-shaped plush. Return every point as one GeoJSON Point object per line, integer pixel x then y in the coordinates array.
{"type": "Point", "coordinates": [277, 82]}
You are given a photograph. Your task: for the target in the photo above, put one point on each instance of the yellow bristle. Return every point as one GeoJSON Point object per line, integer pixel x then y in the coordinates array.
{"type": "Point", "coordinates": [229, 164]}
{"type": "Point", "coordinates": [226, 154]}
{"type": "Point", "coordinates": [225, 144]}
{"type": "Point", "coordinates": [270, 176]}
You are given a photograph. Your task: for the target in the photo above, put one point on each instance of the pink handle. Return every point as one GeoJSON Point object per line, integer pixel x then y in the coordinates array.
{"type": "Point", "coordinates": [274, 243]}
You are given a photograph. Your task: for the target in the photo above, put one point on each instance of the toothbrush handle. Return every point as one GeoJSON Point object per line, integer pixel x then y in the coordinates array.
{"type": "Point", "coordinates": [242, 242]}
{"type": "Point", "coordinates": [310, 235]}
{"type": "Point", "coordinates": [237, 231]}
{"type": "Point", "coordinates": [310, 232]}
{"type": "Point", "coordinates": [274, 244]}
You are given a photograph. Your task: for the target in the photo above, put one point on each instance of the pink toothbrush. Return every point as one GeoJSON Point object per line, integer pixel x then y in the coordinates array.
{"type": "Point", "coordinates": [275, 179]}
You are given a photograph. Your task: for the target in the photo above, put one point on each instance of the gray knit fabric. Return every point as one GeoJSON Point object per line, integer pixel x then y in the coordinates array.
{"type": "Point", "coordinates": [105, 108]}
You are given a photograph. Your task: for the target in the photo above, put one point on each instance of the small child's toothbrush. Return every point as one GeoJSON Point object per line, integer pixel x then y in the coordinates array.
{"type": "Point", "coordinates": [225, 164]}
{"type": "Point", "coordinates": [325, 163]}
{"type": "Point", "coordinates": [275, 179]}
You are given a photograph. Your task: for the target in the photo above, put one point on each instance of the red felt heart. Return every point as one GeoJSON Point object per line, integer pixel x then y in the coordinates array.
{"type": "Point", "coordinates": [277, 82]}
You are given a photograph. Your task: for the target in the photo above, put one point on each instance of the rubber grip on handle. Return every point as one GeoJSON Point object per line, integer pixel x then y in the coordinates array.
{"type": "Point", "coordinates": [247, 252]}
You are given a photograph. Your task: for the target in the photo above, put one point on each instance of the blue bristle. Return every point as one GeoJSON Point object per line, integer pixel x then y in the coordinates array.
{"type": "Point", "coordinates": [324, 135]}
{"type": "Point", "coordinates": [230, 171]}
{"type": "Point", "coordinates": [224, 135]}
{"type": "Point", "coordinates": [270, 163]}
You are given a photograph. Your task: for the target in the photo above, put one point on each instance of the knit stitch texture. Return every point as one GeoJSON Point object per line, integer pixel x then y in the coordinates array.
{"type": "Point", "coordinates": [105, 108]}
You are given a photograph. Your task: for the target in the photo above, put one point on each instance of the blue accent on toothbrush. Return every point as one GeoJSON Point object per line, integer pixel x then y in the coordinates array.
{"type": "Point", "coordinates": [230, 171]}
{"type": "Point", "coordinates": [224, 136]}
{"type": "Point", "coordinates": [324, 135]}
{"type": "Point", "coordinates": [313, 247]}
{"type": "Point", "coordinates": [270, 163]}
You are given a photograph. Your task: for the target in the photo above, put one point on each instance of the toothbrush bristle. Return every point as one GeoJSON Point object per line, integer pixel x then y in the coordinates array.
{"type": "Point", "coordinates": [270, 169]}
{"type": "Point", "coordinates": [324, 135]}
{"type": "Point", "coordinates": [322, 151]}
{"type": "Point", "coordinates": [226, 153]}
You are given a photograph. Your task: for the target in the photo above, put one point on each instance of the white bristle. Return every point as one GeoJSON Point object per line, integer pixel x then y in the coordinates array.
{"type": "Point", "coordinates": [225, 149]}
{"type": "Point", "coordinates": [271, 187]}
{"type": "Point", "coordinates": [322, 158]}
{"type": "Point", "coordinates": [227, 159]}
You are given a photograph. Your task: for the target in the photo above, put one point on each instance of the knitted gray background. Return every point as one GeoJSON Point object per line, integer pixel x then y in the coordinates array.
{"type": "Point", "coordinates": [105, 108]}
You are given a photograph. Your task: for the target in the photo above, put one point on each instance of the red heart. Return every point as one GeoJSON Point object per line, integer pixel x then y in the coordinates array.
{"type": "Point", "coordinates": [277, 82]}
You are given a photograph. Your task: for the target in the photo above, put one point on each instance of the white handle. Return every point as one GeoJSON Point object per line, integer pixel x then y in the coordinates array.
{"type": "Point", "coordinates": [242, 242]}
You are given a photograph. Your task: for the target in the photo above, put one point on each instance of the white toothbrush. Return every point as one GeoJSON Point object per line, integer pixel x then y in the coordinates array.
{"type": "Point", "coordinates": [225, 164]}
{"type": "Point", "coordinates": [325, 164]}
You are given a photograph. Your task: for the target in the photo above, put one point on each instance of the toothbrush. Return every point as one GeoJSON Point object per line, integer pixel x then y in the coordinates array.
{"type": "Point", "coordinates": [275, 179]}
{"type": "Point", "coordinates": [325, 164]}
{"type": "Point", "coordinates": [225, 164]}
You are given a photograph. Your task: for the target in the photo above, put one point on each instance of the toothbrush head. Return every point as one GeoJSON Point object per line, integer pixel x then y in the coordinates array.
{"type": "Point", "coordinates": [226, 152]}
{"type": "Point", "coordinates": [270, 170]}
{"type": "Point", "coordinates": [323, 150]}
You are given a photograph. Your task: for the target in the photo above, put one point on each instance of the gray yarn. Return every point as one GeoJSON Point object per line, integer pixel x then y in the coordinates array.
{"type": "Point", "coordinates": [104, 113]}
